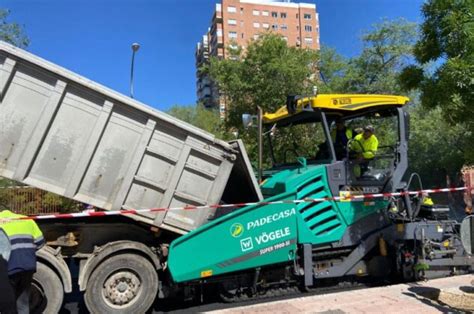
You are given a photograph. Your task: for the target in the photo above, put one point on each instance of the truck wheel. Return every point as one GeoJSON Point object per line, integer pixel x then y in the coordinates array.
{"type": "Point", "coordinates": [47, 291]}
{"type": "Point", "coordinates": [125, 283]}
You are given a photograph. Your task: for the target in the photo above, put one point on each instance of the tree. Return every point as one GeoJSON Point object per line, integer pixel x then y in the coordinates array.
{"type": "Point", "coordinates": [200, 117]}
{"type": "Point", "coordinates": [387, 48]}
{"type": "Point", "coordinates": [11, 32]}
{"type": "Point", "coordinates": [436, 149]}
{"type": "Point", "coordinates": [264, 74]}
{"type": "Point", "coordinates": [445, 56]}
{"type": "Point", "coordinates": [333, 68]}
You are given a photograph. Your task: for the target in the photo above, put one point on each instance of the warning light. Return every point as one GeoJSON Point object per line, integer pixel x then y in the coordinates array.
{"type": "Point", "coordinates": [206, 273]}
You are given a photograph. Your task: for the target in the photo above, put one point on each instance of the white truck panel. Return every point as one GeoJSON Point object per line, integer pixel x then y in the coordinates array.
{"type": "Point", "coordinates": [63, 133]}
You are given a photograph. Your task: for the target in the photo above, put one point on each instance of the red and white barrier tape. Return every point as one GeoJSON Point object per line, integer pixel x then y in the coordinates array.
{"type": "Point", "coordinates": [192, 207]}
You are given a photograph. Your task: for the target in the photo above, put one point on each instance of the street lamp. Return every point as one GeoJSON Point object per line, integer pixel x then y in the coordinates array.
{"type": "Point", "coordinates": [135, 47]}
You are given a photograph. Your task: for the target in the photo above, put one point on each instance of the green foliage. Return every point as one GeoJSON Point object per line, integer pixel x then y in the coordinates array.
{"type": "Point", "coordinates": [447, 40]}
{"type": "Point", "coordinates": [200, 117]}
{"type": "Point", "coordinates": [333, 70]}
{"type": "Point", "coordinates": [12, 33]}
{"type": "Point", "coordinates": [29, 200]}
{"type": "Point", "coordinates": [387, 48]}
{"type": "Point", "coordinates": [4, 196]}
{"type": "Point", "coordinates": [263, 75]}
{"type": "Point", "coordinates": [6, 183]}
{"type": "Point", "coordinates": [436, 148]}
{"type": "Point", "coordinates": [447, 30]}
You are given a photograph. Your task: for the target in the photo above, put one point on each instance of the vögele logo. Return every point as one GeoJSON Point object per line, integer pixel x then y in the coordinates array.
{"type": "Point", "coordinates": [236, 230]}
{"type": "Point", "coordinates": [246, 244]}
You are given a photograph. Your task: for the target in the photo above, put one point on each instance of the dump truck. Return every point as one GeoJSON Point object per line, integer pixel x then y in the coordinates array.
{"type": "Point", "coordinates": [62, 133]}
{"type": "Point", "coordinates": [299, 227]}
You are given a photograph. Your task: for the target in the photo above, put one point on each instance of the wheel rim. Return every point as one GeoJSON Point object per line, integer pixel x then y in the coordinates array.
{"type": "Point", "coordinates": [121, 289]}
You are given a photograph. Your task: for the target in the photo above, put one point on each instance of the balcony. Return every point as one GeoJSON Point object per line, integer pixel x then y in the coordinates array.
{"type": "Point", "coordinates": [217, 17]}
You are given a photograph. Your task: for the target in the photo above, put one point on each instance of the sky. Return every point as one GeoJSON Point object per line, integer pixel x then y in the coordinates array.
{"type": "Point", "coordinates": [93, 38]}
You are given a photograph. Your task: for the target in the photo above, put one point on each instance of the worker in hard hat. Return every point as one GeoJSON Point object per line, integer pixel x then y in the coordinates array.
{"type": "Point", "coordinates": [363, 149]}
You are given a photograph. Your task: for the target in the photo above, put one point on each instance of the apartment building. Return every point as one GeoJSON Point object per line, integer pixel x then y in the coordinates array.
{"type": "Point", "coordinates": [239, 21]}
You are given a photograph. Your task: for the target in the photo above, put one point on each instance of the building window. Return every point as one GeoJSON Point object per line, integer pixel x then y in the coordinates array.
{"type": "Point", "coordinates": [265, 13]}
{"type": "Point", "coordinates": [219, 32]}
{"type": "Point", "coordinates": [308, 28]}
{"type": "Point", "coordinates": [274, 14]}
{"type": "Point", "coordinates": [256, 24]}
{"type": "Point", "coordinates": [242, 35]}
{"type": "Point", "coordinates": [283, 27]}
{"type": "Point", "coordinates": [232, 22]}
{"type": "Point", "coordinates": [231, 9]}
{"type": "Point", "coordinates": [283, 15]}
{"type": "Point", "coordinates": [308, 40]}
{"type": "Point", "coordinates": [307, 16]}
{"type": "Point", "coordinates": [232, 34]}
{"type": "Point", "coordinates": [275, 27]}
{"type": "Point", "coordinates": [256, 12]}
{"type": "Point", "coordinates": [265, 25]}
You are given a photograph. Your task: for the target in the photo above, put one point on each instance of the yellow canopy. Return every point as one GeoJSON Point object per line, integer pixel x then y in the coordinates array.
{"type": "Point", "coordinates": [343, 103]}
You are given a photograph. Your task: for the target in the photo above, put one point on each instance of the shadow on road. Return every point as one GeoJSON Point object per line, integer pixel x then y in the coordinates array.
{"type": "Point", "coordinates": [444, 301]}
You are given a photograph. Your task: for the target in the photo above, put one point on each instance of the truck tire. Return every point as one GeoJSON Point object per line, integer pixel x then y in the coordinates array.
{"type": "Point", "coordinates": [125, 283]}
{"type": "Point", "coordinates": [47, 291]}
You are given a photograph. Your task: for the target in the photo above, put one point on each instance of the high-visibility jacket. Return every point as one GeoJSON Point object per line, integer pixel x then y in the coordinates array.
{"type": "Point", "coordinates": [336, 140]}
{"type": "Point", "coordinates": [25, 239]}
{"type": "Point", "coordinates": [368, 147]}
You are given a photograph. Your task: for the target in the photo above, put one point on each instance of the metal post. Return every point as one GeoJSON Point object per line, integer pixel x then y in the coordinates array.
{"type": "Point", "coordinates": [327, 133]}
{"type": "Point", "coordinates": [260, 144]}
{"type": "Point", "coordinates": [135, 47]}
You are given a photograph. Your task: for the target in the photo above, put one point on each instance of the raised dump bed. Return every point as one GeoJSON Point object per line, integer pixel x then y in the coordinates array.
{"type": "Point", "coordinates": [63, 133]}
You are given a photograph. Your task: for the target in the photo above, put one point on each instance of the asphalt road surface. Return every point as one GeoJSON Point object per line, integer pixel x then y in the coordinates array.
{"type": "Point", "coordinates": [211, 302]}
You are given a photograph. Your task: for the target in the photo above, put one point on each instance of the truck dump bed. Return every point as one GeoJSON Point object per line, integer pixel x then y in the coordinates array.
{"type": "Point", "coordinates": [63, 133]}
